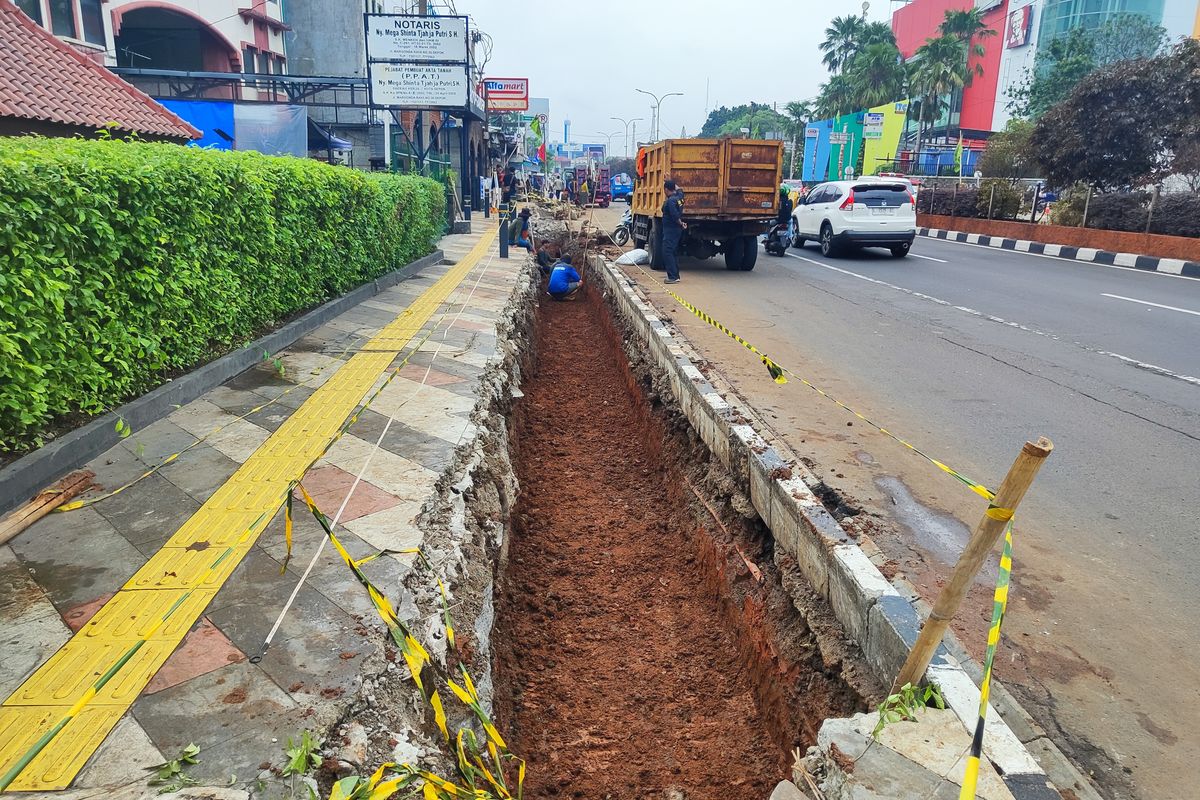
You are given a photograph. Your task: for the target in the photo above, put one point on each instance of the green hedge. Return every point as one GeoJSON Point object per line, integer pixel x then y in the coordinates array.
{"type": "Point", "coordinates": [124, 262]}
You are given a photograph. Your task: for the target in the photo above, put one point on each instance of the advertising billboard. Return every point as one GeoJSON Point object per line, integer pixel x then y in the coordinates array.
{"type": "Point", "coordinates": [1016, 32]}
{"type": "Point", "coordinates": [416, 39]}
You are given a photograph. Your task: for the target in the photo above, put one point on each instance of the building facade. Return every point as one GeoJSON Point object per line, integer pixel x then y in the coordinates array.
{"type": "Point", "coordinates": [1022, 28]}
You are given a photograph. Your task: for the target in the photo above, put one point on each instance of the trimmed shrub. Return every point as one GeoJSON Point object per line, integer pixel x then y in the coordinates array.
{"type": "Point", "coordinates": [1005, 203]}
{"type": "Point", "coordinates": [1119, 212]}
{"type": "Point", "coordinates": [126, 262]}
{"type": "Point", "coordinates": [947, 201]}
{"type": "Point", "coordinates": [1177, 215]}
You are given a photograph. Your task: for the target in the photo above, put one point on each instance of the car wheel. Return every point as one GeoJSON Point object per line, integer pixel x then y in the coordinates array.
{"type": "Point", "coordinates": [749, 252]}
{"type": "Point", "coordinates": [828, 248]}
{"type": "Point", "coordinates": [797, 239]}
{"type": "Point", "coordinates": [654, 246]}
{"type": "Point", "coordinates": [900, 250]}
{"type": "Point", "coordinates": [735, 253]}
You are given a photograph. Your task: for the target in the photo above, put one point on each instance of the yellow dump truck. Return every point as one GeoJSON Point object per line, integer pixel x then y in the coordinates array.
{"type": "Point", "coordinates": [731, 196]}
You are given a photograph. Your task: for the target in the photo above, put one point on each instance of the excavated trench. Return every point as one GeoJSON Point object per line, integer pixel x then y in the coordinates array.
{"type": "Point", "coordinates": [645, 644]}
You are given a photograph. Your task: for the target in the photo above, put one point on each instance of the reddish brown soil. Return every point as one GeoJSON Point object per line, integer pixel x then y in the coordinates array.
{"type": "Point", "coordinates": [624, 667]}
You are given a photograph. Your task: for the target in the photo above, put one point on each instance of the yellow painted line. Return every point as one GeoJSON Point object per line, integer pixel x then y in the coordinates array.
{"type": "Point", "coordinates": [56, 719]}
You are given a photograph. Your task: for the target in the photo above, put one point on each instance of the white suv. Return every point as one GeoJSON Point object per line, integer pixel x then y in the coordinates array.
{"type": "Point", "coordinates": [872, 212]}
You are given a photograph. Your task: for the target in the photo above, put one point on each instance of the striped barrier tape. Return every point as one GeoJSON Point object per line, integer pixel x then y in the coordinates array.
{"type": "Point", "coordinates": [778, 373]}
{"type": "Point", "coordinates": [999, 606]}
{"type": "Point", "coordinates": [470, 757]}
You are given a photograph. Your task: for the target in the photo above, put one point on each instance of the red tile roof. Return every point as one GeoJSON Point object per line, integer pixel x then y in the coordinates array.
{"type": "Point", "coordinates": [44, 79]}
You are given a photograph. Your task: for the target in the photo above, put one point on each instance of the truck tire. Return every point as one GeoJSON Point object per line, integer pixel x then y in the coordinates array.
{"type": "Point", "coordinates": [654, 246]}
{"type": "Point", "coordinates": [735, 253]}
{"type": "Point", "coordinates": [749, 252]}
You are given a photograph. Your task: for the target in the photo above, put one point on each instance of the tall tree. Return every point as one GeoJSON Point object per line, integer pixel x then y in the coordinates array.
{"type": "Point", "coordinates": [1060, 65]}
{"type": "Point", "coordinates": [876, 33]}
{"type": "Point", "coordinates": [843, 38]}
{"type": "Point", "coordinates": [969, 28]}
{"type": "Point", "coordinates": [1128, 124]}
{"type": "Point", "coordinates": [877, 75]}
{"type": "Point", "coordinates": [939, 69]}
{"type": "Point", "coordinates": [836, 97]}
{"type": "Point", "coordinates": [799, 113]}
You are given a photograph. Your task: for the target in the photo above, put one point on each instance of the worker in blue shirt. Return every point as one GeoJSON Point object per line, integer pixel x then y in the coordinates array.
{"type": "Point", "coordinates": [564, 280]}
{"type": "Point", "coordinates": [673, 226]}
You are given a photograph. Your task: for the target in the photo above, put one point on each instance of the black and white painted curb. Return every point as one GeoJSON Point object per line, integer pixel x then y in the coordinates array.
{"type": "Point", "coordinates": [881, 618]}
{"type": "Point", "coordinates": [1168, 266]}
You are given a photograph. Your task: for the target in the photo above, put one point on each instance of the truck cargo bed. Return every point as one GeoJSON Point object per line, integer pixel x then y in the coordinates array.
{"type": "Point", "coordinates": [722, 179]}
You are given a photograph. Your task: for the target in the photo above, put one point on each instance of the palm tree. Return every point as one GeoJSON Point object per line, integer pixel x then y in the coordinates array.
{"type": "Point", "coordinates": [939, 69]}
{"type": "Point", "coordinates": [967, 27]}
{"type": "Point", "coordinates": [843, 38]}
{"type": "Point", "coordinates": [877, 32]}
{"type": "Point", "coordinates": [836, 97]}
{"type": "Point", "coordinates": [798, 113]}
{"type": "Point", "coordinates": [877, 75]}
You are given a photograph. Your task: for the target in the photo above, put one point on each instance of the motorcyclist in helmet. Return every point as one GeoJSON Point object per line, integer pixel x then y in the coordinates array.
{"type": "Point", "coordinates": [784, 217]}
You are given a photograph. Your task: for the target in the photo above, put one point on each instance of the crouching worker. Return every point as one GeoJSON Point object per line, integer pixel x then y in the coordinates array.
{"type": "Point", "coordinates": [547, 257]}
{"type": "Point", "coordinates": [564, 280]}
{"type": "Point", "coordinates": [520, 235]}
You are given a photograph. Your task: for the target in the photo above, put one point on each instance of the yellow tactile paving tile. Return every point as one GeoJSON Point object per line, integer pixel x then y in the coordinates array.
{"type": "Point", "coordinates": [22, 726]}
{"type": "Point", "coordinates": [79, 665]}
{"type": "Point", "coordinates": [93, 679]}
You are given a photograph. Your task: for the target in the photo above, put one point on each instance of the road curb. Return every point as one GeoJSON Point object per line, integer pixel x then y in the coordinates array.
{"type": "Point", "coordinates": [870, 608]}
{"type": "Point", "coordinates": [1167, 266]}
{"type": "Point", "coordinates": [26, 476]}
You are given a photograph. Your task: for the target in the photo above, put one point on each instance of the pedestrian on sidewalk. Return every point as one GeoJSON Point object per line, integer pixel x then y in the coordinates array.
{"type": "Point", "coordinates": [673, 227]}
{"type": "Point", "coordinates": [564, 280]}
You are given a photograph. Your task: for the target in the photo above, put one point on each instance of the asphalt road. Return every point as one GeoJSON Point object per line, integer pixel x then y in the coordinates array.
{"type": "Point", "coordinates": [968, 352]}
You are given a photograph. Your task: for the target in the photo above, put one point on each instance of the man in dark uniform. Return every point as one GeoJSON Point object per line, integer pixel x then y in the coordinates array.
{"type": "Point", "coordinates": [673, 226]}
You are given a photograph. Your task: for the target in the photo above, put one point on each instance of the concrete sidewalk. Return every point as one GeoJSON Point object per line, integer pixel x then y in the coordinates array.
{"type": "Point", "coordinates": [57, 574]}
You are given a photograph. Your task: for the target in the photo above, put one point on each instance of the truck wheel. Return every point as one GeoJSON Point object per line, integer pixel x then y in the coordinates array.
{"type": "Point", "coordinates": [749, 252]}
{"type": "Point", "coordinates": [655, 245]}
{"type": "Point", "coordinates": [735, 253]}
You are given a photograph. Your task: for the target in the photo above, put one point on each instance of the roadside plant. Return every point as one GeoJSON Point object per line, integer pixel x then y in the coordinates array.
{"type": "Point", "coordinates": [903, 705]}
{"type": "Point", "coordinates": [171, 776]}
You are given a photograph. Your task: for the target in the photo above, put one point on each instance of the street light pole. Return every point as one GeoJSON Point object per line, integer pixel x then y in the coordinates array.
{"type": "Point", "coordinates": [626, 122]}
{"type": "Point", "coordinates": [658, 109]}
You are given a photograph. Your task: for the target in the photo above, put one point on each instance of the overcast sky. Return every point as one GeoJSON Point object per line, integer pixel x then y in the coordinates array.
{"type": "Point", "coordinates": [588, 57]}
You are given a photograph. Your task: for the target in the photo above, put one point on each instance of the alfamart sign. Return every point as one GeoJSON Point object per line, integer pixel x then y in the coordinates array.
{"type": "Point", "coordinates": [417, 61]}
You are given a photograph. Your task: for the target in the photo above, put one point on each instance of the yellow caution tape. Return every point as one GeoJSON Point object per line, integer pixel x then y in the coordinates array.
{"type": "Point", "coordinates": [778, 372]}
{"type": "Point", "coordinates": [999, 606]}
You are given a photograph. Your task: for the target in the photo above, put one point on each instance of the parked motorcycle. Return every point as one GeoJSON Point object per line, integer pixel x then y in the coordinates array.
{"type": "Point", "coordinates": [624, 231]}
{"type": "Point", "coordinates": [778, 239]}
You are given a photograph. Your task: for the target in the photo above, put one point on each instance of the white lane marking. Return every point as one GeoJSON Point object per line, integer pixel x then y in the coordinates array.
{"type": "Point", "coordinates": [927, 258]}
{"type": "Point", "coordinates": [1148, 303]}
{"type": "Point", "coordinates": [1007, 323]}
{"type": "Point", "coordinates": [1057, 249]}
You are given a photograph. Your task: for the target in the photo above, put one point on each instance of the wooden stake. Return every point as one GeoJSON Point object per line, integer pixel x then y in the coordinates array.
{"type": "Point", "coordinates": [47, 500]}
{"type": "Point", "coordinates": [983, 539]}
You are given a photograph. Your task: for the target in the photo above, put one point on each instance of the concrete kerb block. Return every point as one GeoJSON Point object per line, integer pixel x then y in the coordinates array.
{"type": "Point", "coordinates": [743, 442]}
{"type": "Point", "coordinates": [1000, 744]}
{"type": "Point", "coordinates": [762, 467]}
{"type": "Point", "coordinates": [892, 628]}
{"type": "Point", "coordinates": [1061, 772]}
{"type": "Point", "coordinates": [1017, 718]}
{"type": "Point", "coordinates": [855, 584]}
{"type": "Point", "coordinates": [718, 441]}
{"type": "Point", "coordinates": [797, 520]}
